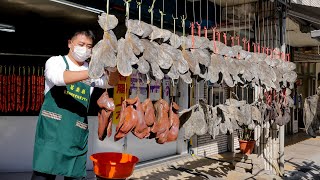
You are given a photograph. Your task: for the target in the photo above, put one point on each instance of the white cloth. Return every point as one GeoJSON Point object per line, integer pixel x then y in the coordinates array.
{"type": "Point", "coordinates": [55, 67]}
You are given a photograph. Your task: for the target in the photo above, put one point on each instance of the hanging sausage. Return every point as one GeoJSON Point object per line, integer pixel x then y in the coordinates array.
{"type": "Point", "coordinates": [8, 97]}
{"type": "Point", "coordinates": [42, 85]}
{"type": "Point", "coordinates": [1, 92]}
{"type": "Point", "coordinates": [4, 90]}
{"type": "Point", "coordinates": [13, 89]}
{"type": "Point", "coordinates": [29, 90]}
{"type": "Point", "coordinates": [38, 89]}
{"type": "Point", "coordinates": [33, 90]}
{"type": "Point", "coordinates": [23, 89]}
{"type": "Point", "coordinates": [18, 90]}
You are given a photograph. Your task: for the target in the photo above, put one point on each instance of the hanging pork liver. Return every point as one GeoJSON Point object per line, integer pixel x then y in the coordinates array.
{"type": "Point", "coordinates": [174, 121]}
{"type": "Point", "coordinates": [128, 118]}
{"type": "Point", "coordinates": [149, 112]}
{"type": "Point", "coordinates": [162, 118]}
{"type": "Point", "coordinates": [141, 129]}
{"type": "Point", "coordinates": [162, 123]}
{"type": "Point", "coordinates": [104, 116]}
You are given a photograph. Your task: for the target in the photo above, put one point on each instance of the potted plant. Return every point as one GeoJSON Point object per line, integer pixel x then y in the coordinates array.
{"type": "Point", "coordinates": [246, 139]}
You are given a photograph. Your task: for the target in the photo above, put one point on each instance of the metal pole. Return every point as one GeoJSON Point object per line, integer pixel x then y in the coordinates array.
{"type": "Point", "coordinates": [281, 131]}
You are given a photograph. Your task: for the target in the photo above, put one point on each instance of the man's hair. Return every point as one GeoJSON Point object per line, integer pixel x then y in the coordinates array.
{"type": "Point", "coordinates": [87, 33]}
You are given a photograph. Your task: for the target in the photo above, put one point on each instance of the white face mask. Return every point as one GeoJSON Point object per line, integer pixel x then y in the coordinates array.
{"type": "Point", "coordinates": [81, 53]}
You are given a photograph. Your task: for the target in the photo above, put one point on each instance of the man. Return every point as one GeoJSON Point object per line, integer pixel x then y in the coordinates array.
{"type": "Point", "coordinates": [61, 140]}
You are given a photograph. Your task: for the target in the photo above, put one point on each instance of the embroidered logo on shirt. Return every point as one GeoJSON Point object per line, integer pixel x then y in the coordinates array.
{"type": "Point", "coordinates": [51, 115]}
{"type": "Point", "coordinates": [82, 125]}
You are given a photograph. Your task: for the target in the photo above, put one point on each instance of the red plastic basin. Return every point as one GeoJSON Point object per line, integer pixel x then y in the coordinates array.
{"type": "Point", "coordinates": [113, 165]}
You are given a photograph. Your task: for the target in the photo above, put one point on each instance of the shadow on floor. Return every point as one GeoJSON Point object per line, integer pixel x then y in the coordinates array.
{"type": "Point", "coordinates": [202, 169]}
{"type": "Point", "coordinates": [304, 170]}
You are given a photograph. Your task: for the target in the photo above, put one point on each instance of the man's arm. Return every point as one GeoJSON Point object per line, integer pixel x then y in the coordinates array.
{"type": "Point", "coordinates": [71, 77]}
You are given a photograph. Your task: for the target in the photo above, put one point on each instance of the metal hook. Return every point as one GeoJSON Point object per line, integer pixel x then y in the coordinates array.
{"type": "Point", "coordinates": [139, 6]}
{"type": "Point", "coordinates": [161, 21]}
{"type": "Point", "coordinates": [127, 4]}
{"type": "Point", "coordinates": [150, 10]}
{"type": "Point", "coordinates": [199, 28]}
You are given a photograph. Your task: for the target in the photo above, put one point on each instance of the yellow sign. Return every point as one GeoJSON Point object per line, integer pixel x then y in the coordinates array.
{"type": "Point", "coordinates": [120, 94]}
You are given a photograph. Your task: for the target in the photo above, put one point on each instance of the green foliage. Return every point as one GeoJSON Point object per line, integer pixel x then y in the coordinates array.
{"type": "Point", "coordinates": [245, 133]}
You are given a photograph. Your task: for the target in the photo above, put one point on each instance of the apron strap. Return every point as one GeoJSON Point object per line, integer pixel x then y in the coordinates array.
{"type": "Point", "coordinates": [65, 60]}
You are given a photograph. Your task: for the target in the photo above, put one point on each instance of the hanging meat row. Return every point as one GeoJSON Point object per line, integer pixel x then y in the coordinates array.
{"type": "Point", "coordinates": [21, 89]}
{"type": "Point", "coordinates": [182, 57]}
{"type": "Point", "coordinates": [144, 120]}
{"type": "Point", "coordinates": [203, 118]}
{"type": "Point", "coordinates": [148, 120]}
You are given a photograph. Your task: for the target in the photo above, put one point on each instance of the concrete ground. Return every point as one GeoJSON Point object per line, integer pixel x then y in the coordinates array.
{"type": "Point", "coordinates": [302, 161]}
{"type": "Point", "coordinates": [196, 168]}
{"type": "Point", "coordinates": [302, 157]}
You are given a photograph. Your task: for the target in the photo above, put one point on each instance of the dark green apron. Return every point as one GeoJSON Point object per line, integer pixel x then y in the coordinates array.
{"type": "Point", "coordinates": [61, 140]}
